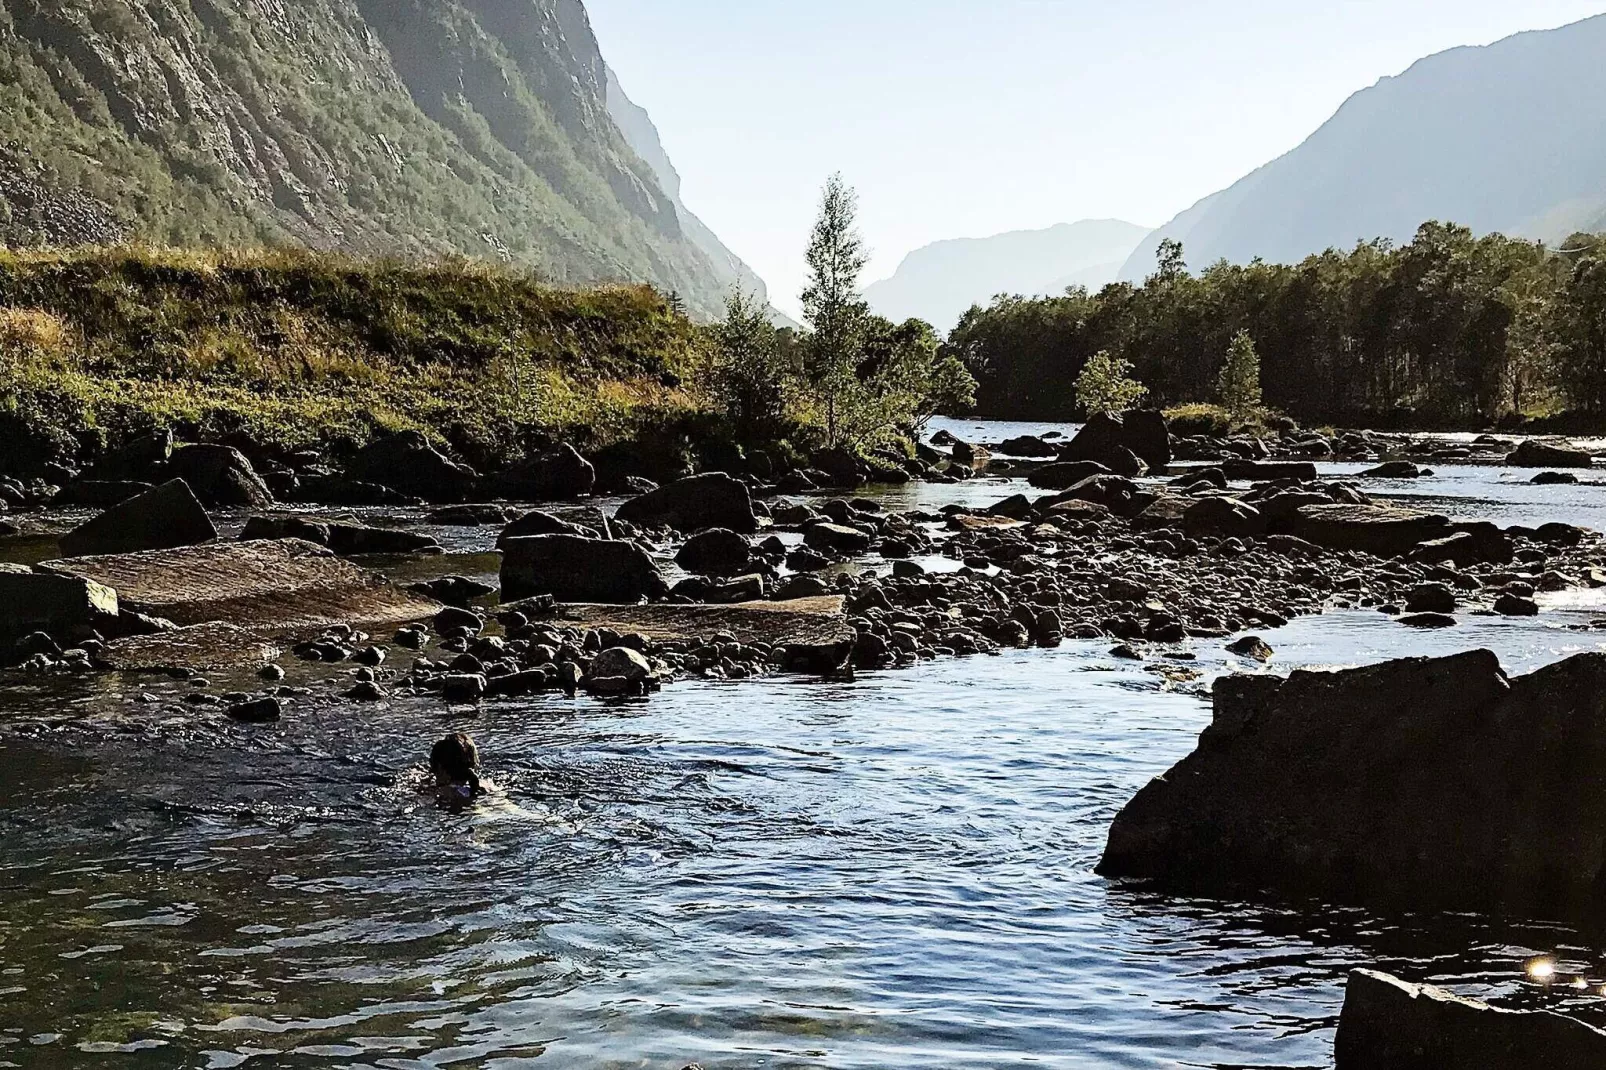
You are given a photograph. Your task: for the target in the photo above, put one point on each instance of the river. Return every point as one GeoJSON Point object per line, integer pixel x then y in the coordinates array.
{"type": "Point", "coordinates": [895, 872]}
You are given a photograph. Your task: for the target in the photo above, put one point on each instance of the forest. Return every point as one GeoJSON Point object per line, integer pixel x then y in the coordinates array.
{"type": "Point", "coordinates": [1449, 330]}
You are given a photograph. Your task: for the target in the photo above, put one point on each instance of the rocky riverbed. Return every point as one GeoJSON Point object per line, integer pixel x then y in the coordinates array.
{"type": "Point", "coordinates": [1161, 572]}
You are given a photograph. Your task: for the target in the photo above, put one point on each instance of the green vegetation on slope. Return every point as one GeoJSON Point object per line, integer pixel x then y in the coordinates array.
{"type": "Point", "coordinates": [417, 128]}
{"type": "Point", "coordinates": [286, 351]}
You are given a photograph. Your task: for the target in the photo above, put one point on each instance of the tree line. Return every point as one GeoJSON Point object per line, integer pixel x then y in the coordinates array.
{"type": "Point", "coordinates": [1449, 329]}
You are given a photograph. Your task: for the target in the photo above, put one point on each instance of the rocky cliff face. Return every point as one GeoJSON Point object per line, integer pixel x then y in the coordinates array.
{"type": "Point", "coordinates": [410, 127]}
{"type": "Point", "coordinates": [1510, 137]}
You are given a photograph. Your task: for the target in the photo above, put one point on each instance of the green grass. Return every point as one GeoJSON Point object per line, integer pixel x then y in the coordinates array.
{"type": "Point", "coordinates": [283, 351]}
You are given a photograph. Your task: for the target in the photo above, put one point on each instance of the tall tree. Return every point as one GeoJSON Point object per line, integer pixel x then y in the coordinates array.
{"type": "Point", "coordinates": [832, 306]}
{"type": "Point", "coordinates": [1239, 384]}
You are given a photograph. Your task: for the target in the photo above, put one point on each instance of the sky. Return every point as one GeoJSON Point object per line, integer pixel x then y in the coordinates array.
{"type": "Point", "coordinates": [964, 118]}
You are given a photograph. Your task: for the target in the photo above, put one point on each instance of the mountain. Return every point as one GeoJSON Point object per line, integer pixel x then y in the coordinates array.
{"type": "Point", "coordinates": [1508, 137]}
{"type": "Point", "coordinates": [416, 128]}
{"type": "Point", "coordinates": [642, 136]}
{"type": "Point", "coordinates": [941, 281]}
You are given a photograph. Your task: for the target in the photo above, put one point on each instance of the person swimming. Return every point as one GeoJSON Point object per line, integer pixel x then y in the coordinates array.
{"type": "Point", "coordinates": [455, 762]}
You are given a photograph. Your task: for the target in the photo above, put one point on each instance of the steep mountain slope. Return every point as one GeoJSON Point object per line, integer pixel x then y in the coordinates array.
{"type": "Point", "coordinates": [1509, 137]}
{"type": "Point", "coordinates": [413, 127]}
{"type": "Point", "coordinates": [642, 136]}
{"type": "Point", "coordinates": [939, 282]}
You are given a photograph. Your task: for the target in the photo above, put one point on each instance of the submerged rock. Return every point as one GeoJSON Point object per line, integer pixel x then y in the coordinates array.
{"type": "Point", "coordinates": [1388, 1024]}
{"type": "Point", "coordinates": [1415, 784]}
{"type": "Point", "coordinates": [162, 518]}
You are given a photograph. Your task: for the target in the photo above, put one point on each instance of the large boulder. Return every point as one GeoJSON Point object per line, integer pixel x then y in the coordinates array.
{"type": "Point", "coordinates": [1375, 529]}
{"type": "Point", "coordinates": [715, 552]}
{"type": "Point", "coordinates": [1531, 454]}
{"type": "Point", "coordinates": [1065, 474]}
{"type": "Point", "coordinates": [1388, 1024]}
{"type": "Point", "coordinates": [60, 606]}
{"type": "Point", "coordinates": [1116, 493]}
{"type": "Point", "coordinates": [572, 568]}
{"type": "Point", "coordinates": [1103, 440]}
{"type": "Point", "coordinates": [159, 519]}
{"type": "Point", "coordinates": [407, 463]}
{"type": "Point", "coordinates": [280, 587]}
{"type": "Point", "coordinates": [560, 474]}
{"type": "Point", "coordinates": [348, 538]}
{"type": "Point", "coordinates": [219, 475]}
{"type": "Point", "coordinates": [537, 522]}
{"type": "Point", "coordinates": [710, 500]}
{"type": "Point", "coordinates": [1143, 431]}
{"type": "Point", "coordinates": [1422, 784]}
{"type": "Point", "coordinates": [1226, 517]}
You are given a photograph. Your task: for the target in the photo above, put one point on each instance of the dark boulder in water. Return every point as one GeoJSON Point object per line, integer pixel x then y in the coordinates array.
{"type": "Point", "coordinates": [575, 569]}
{"type": "Point", "coordinates": [1533, 454]}
{"type": "Point", "coordinates": [711, 500]}
{"type": "Point", "coordinates": [1388, 1024]}
{"type": "Point", "coordinates": [162, 518]}
{"type": "Point", "coordinates": [1418, 784]}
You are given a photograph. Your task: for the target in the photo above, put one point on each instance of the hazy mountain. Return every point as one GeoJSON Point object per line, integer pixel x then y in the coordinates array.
{"type": "Point", "coordinates": [642, 135]}
{"type": "Point", "coordinates": [414, 127]}
{"type": "Point", "coordinates": [1509, 137]}
{"type": "Point", "coordinates": [939, 282]}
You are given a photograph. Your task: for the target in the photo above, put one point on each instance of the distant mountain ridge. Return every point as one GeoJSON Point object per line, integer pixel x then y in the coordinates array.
{"type": "Point", "coordinates": [939, 282]}
{"type": "Point", "coordinates": [1507, 137]}
{"type": "Point", "coordinates": [416, 128]}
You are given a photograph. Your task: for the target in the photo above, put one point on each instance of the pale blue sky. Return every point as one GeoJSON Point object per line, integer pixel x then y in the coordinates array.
{"type": "Point", "coordinates": [962, 118]}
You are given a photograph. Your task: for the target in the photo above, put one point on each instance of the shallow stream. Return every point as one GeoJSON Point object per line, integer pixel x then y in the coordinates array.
{"type": "Point", "coordinates": [895, 872]}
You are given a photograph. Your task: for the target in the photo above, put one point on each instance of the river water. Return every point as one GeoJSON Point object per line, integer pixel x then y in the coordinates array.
{"type": "Point", "coordinates": [894, 872]}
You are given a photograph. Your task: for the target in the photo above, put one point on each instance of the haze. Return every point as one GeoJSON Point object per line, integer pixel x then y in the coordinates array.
{"type": "Point", "coordinates": [954, 119]}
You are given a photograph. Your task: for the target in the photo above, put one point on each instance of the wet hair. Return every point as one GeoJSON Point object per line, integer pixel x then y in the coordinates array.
{"type": "Point", "coordinates": [456, 759]}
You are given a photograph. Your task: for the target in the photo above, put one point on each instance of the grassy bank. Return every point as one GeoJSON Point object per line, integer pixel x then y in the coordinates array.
{"type": "Point", "coordinates": [281, 351]}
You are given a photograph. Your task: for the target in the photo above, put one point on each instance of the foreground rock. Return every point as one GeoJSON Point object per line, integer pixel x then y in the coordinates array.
{"type": "Point", "coordinates": [712, 500]}
{"type": "Point", "coordinates": [1388, 1024]}
{"type": "Point", "coordinates": [163, 518]}
{"type": "Point", "coordinates": [278, 587]}
{"type": "Point", "coordinates": [64, 607]}
{"type": "Point", "coordinates": [1417, 784]}
{"type": "Point", "coordinates": [572, 568]}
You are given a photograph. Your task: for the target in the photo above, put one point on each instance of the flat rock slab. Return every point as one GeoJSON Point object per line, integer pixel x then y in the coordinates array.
{"type": "Point", "coordinates": [282, 587]}
{"type": "Point", "coordinates": [1388, 1024]}
{"type": "Point", "coordinates": [206, 647]}
{"type": "Point", "coordinates": [813, 622]}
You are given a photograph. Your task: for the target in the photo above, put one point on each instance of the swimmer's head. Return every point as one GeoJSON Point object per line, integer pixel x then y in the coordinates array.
{"type": "Point", "coordinates": [455, 760]}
